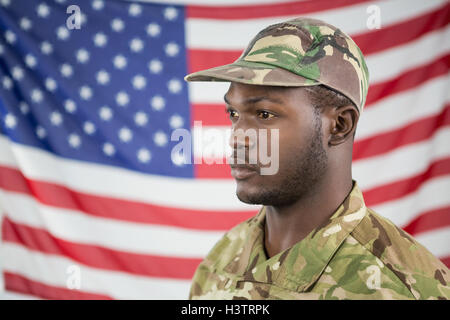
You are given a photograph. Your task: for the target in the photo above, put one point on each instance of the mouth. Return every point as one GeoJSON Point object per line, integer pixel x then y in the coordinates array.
{"type": "Point", "coordinates": [243, 171]}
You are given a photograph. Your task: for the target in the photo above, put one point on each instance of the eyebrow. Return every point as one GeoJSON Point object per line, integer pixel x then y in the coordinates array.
{"type": "Point", "coordinates": [253, 100]}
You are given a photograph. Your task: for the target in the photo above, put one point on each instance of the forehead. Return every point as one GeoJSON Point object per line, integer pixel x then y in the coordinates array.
{"type": "Point", "coordinates": [239, 93]}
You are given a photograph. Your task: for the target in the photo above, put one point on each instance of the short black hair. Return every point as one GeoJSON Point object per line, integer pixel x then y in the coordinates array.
{"type": "Point", "coordinates": [323, 97]}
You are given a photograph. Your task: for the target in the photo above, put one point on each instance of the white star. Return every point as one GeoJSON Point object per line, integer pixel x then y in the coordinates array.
{"type": "Point", "coordinates": [70, 106]}
{"type": "Point", "coordinates": [85, 92]}
{"type": "Point", "coordinates": [160, 138]}
{"type": "Point", "coordinates": [83, 18]}
{"type": "Point", "coordinates": [139, 82]}
{"type": "Point", "coordinates": [153, 29]}
{"type": "Point", "coordinates": [5, 3]}
{"type": "Point", "coordinates": [10, 36]}
{"type": "Point", "coordinates": [24, 108]}
{"type": "Point", "coordinates": [122, 98]}
{"type": "Point", "coordinates": [176, 121]}
{"type": "Point", "coordinates": [170, 13]}
{"type": "Point", "coordinates": [36, 95]}
{"type": "Point", "coordinates": [10, 121]}
{"type": "Point", "coordinates": [17, 73]}
{"type": "Point", "coordinates": [120, 61]}
{"type": "Point", "coordinates": [7, 83]}
{"type": "Point", "coordinates": [135, 10]}
{"type": "Point", "coordinates": [2, 49]}
{"type": "Point", "coordinates": [144, 155]}
{"type": "Point", "coordinates": [25, 23]}
{"type": "Point", "coordinates": [46, 47]}
{"type": "Point", "coordinates": [62, 33]}
{"type": "Point", "coordinates": [100, 39]}
{"type": "Point", "coordinates": [155, 66]}
{"type": "Point", "coordinates": [50, 84]}
{"type": "Point", "coordinates": [89, 127]}
{"type": "Point", "coordinates": [108, 149]}
{"type": "Point", "coordinates": [98, 4]}
{"type": "Point", "coordinates": [74, 140]}
{"type": "Point", "coordinates": [105, 113]}
{"type": "Point", "coordinates": [30, 61]}
{"type": "Point", "coordinates": [174, 86]}
{"type": "Point", "coordinates": [136, 45]}
{"type": "Point", "coordinates": [56, 118]}
{"type": "Point", "coordinates": [102, 77]}
{"type": "Point", "coordinates": [172, 49]}
{"type": "Point", "coordinates": [158, 103]}
{"type": "Point", "coordinates": [125, 134]}
{"type": "Point", "coordinates": [41, 132]}
{"type": "Point", "coordinates": [140, 118]}
{"type": "Point", "coordinates": [82, 55]}
{"type": "Point", "coordinates": [43, 10]}
{"type": "Point", "coordinates": [66, 70]}
{"type": "Point", "coordinates": [117, 25]}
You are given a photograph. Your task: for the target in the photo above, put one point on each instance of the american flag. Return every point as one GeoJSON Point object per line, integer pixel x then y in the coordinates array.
{"type": "Point", "coordinates": [93, 203]}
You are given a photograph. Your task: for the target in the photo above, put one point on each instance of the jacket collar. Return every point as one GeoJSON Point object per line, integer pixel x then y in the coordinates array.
{"type": "Point", "coordinates": [298, 267]}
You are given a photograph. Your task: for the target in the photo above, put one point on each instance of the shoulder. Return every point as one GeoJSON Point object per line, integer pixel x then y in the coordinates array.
{"type": "Point", "coordinates": [230, 245]}
{"type": "Point", "coordinates": [418, 269]}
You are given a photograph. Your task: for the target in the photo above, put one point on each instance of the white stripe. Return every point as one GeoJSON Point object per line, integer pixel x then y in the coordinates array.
{"type": "Point", "coordinates": [392, 62]}
{"type": "Point", "coordinates": [398, 110]}
{"type": "Point", "coordinates": [53, 270]}
{"type": "Point", "coordinates": [121, 183]}
{"type": "Point", "coordinates": [203, 33]}
{"type": "Point", "coordinates": [402, 162]}
{"type": "Point", "coordinates": [437, 241]}
{"type": "Point", "coordinates": [432, 194]}
{"type": "Point", "coordinates": [9, 295]}
{"type": "Point", "coordinates": [74, 226]}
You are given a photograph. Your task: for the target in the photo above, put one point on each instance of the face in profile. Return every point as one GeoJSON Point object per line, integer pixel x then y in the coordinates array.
{"type": "Point", "coordinates": [301, 154]}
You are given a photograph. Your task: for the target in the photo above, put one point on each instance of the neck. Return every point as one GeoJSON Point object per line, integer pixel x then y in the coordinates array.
{"type": "Point", "coordinates": [287, 225]}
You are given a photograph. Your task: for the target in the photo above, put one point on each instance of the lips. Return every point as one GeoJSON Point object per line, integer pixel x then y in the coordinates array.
{"type": "Point", "coordinates": [243, 171]}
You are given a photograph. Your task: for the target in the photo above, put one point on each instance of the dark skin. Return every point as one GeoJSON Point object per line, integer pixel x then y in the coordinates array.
{"type": "Point", "coordinates": [315, 153]}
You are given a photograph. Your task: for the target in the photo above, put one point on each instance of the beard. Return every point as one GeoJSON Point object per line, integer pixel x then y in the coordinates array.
{"type": "Point", "coordinates": [297, 177]}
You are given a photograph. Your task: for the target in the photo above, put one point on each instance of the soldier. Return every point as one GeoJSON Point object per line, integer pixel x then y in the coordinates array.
{"type": "Point", "coordinates": [314, 237]}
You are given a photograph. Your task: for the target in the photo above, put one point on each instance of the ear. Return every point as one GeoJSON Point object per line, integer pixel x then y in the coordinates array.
{"type": "Point", "coordinates": [343, 122]}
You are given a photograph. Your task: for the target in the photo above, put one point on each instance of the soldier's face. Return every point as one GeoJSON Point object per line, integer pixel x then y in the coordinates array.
{"type": "Point", "coordinates": [302, 157]}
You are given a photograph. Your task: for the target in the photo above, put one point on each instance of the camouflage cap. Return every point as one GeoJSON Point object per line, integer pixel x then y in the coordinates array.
{"type": "Point", "coordinates": [295, 53]}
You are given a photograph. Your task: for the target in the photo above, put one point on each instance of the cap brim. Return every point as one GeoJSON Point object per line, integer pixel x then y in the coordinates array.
{"type": "Point", "coordinates": [252, 73]}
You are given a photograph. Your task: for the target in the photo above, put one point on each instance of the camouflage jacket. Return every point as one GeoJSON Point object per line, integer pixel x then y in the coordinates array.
{"type": "Point", "coordinates": [356, 255]}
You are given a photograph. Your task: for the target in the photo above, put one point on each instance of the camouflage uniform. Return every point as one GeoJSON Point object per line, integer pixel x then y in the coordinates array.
{"type": "Point", "coordinates": [356, 255]}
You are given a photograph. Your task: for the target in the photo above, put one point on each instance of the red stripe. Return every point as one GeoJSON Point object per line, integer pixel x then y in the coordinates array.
{"type": "Point", "coordinates": [100, 206]}
{"type": "Point", "coordinates": [428, 221]}
{"type": "Point", "coordinates": [446, 261]}
{"type": "Point", "coordinates": [266, 10]}
{"type": "Point", "coordinates": [402, 188]}
{"type": "Point", "coordinates": [99, 257]}
{"type": "Point", "coordinates": [210, 114]}
{"type": "Point", "coordinates": [369, 42]}
{"type": "Point", "coordinates": [413, 132]}
{"type": "Point", "coordinates": [213, 171]}
{"type": "Point", "coordinates": [408, 80]}
{"type": "Point", "coordinates": [21, 284]}
{"type": "Point", "coordinates": [409, 30]}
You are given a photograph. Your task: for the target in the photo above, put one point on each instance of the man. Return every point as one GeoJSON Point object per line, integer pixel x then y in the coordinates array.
{"type": "Point", "coordinates": [314, 238]}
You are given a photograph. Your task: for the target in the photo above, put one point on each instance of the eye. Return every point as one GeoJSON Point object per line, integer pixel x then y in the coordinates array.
{"type": "Point", "coordinates": [265, 115]}
{"type": "Point", "coordinates": [232, 114]}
